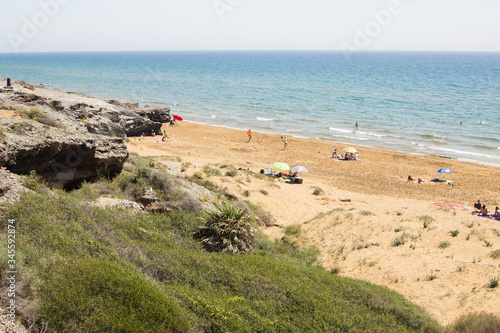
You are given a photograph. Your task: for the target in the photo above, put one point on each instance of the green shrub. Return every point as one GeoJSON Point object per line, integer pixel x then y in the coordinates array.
{"type": "Point", "coordinates": [454, 233]}
{"type": "Point", "coordinates": [432, 276]}
{"type": "Point", "coordinates": [293, 230]}
{"type": "Point", "coordinates": [335, 270]}
{"type": "Point", "coordinates": [399, 240]}
{"type": "Point", "coordinates": [426, 220]}
{"type": "Point", "coordinates": [33, 181]}
{"type": "Point", "coordinates": [495, 254]}
{"type": "Point", "coordinates": [212, 171]}
{"type": "Point", "coordinates": [444, 244]}
{"type": "Point", "coordinates": [493, 282]}
{"type": "Point", "coordinates": [196, 176]}
{"type": "Point", "coordinates": [226, 229]}
{"type": "Point", "coordinates": [318, 191]}
{"type": "Point", "coordinates": [40, 116]}
{"type": "Point", "coordinates": [476, 322]}
{"type": "Point", "coordinates": [231, 173]}
{"type": "Point", "coordinates": [487, 243]}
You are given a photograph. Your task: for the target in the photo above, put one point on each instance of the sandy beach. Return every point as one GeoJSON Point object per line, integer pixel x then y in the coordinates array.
{"type": "Point", "coordinates": [364, 206]}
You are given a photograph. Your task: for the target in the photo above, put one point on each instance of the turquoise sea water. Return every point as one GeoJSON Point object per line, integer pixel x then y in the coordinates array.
{"type": "Point", "coordinates": [404, 101]}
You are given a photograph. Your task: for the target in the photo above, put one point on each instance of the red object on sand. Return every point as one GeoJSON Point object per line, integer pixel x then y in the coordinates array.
{"type": "Point", "coordinates": [176, 117]}
{"type": "Point", "coordinates": [447, 205]}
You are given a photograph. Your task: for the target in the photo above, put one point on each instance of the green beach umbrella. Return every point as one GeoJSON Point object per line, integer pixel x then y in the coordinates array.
{"type": "Point", "coordinates": [281, 166]}
{"type": "Point", "coordinates": [350, 150]}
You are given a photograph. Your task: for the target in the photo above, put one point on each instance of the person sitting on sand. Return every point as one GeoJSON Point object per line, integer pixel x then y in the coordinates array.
{"type": "Point", "coordinates": [483, 211]}
{"type": "Point", "coordinates": [420, 181]}
{"type": "Point", "coordinates": [410, 178]}
{"type": "Point", "coordinates": [478, 205]}
{"type": "Point", "coordinates": [165, 136]}
{"type": "Point", "coordinates": [334, 154]}
{"type": "Point", "coordinates": [496, 213]}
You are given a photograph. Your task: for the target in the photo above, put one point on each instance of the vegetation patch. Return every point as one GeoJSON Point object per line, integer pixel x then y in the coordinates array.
{"type": "Point", "coordinates": [318, 191]}
{"type": "Point", "coordinates": [495, 254]}
{"type": "Point", "coordinates": [210, 170]}
{"type": "Point", "coordinates": [476, 322]}
{"type": "Point", "coordinates": [426, 220]}
{"type": "Point", "coordinates": [444, 244]}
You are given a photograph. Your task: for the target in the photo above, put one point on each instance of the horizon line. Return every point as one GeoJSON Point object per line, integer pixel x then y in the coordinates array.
{"type": "Point", "coordinates": [258, 50]}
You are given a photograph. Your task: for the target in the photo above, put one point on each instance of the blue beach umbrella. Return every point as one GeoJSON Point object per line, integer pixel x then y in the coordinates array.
{"type": "Point", "coordinates": [445, 170]}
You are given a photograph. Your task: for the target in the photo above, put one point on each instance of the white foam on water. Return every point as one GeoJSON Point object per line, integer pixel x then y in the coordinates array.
{"type": "Point", "coordinates": [467, 153]}
{"type": "Point", "coordinates": [339, 130]}
{"type": "Point", "coordinates": [370, 134]}
{"type": "Point", "coordinates": [264, 119]}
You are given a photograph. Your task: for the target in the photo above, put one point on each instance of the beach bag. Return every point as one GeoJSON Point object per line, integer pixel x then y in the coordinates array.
{"type": "Point", "coordinates": [298, 180]}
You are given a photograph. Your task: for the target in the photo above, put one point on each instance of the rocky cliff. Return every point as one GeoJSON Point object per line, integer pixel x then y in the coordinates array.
{"type": "Point", "coordinates": [68, 138]}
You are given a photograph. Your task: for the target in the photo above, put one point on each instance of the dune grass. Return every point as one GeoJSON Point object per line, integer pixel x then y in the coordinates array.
{"type": "Point", "coordinates": [108, 269]}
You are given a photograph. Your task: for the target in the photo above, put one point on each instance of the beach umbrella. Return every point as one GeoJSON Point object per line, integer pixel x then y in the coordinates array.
{"type": "Point", "coordinates": [281, 166]}
{"type": "Point", "coordinates": [299, 168]}
{"type": "Point", "coordinates": [350, 150]}
{"type": "Point", "coordinates": [177, 117]}
{"type": "Point", "coordinates": [445, 170]}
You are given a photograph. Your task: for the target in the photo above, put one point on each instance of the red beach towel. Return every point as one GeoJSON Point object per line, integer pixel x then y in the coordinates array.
{"type": "Point", "coordinates": [447, 205]}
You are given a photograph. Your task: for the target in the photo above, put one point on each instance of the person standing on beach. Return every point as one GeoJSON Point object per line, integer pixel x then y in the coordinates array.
{"type": "Point", "coordinates": [357, 125]}
{"type": "Point", "coordinates": [249, 135]}
{"type": "Point", "coordinates": [285, 142]}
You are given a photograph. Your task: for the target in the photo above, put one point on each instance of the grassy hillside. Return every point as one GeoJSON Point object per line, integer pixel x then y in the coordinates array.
{"type": "Point", "coordinates": [84, 268]}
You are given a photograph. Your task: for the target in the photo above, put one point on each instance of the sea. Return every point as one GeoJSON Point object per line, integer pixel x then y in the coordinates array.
{"type": "Point", "coordinates": [428, 103]}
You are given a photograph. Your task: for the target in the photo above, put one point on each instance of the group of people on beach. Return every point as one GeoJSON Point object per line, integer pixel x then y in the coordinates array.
{"type": "Point", "coordinates": [483, 211]}
{"type": "Point", "coordinates": [346, 157]}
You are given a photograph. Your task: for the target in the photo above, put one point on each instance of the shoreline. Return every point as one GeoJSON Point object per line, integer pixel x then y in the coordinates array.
{"type": "Point", "coordinates": [338, 142]}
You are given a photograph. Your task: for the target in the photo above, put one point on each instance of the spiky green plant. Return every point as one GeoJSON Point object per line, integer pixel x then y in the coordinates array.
{"type": "Point", "coordinates": [226, 229]}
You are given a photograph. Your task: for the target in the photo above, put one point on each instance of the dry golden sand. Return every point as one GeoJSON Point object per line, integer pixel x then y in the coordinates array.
{"type": "Point", "coordinates": [354, 222]}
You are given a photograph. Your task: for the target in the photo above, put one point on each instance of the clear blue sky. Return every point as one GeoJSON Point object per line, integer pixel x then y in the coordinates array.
{"type": "Point", "coordinates": [114, 25]}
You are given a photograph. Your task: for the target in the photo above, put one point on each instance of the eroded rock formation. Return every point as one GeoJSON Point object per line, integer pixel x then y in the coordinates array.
{"type": "Point", "coordinates": [68, 138]}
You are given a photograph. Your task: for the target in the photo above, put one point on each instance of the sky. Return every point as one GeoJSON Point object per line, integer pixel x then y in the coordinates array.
{"type": "Point", "coordinates": [134, 25]}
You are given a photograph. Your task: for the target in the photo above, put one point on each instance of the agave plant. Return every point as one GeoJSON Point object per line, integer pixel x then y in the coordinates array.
{"type": "Point", "coordinates": [227, 229]}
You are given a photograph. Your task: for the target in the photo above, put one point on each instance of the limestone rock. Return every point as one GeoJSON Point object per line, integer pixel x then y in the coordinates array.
{"type": "Point", "coordinates": [10, 186]}
{"type": "Point", "coordinates": [64, 160]}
